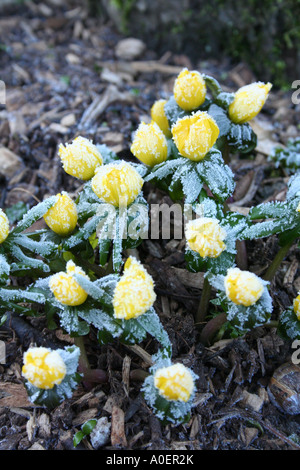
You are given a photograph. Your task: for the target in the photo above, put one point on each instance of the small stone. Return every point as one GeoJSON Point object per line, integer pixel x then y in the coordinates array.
{"type": "Point", "coordinates": [68, 120]}
{"type": "Point", "coordinates": [10, 163]}
{"type": "Point", "coordinates": [129, 48]}
{"type": "Point", "coordinates": [101, 433]}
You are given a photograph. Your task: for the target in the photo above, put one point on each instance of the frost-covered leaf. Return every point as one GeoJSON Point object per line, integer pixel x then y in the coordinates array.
{"type": "Point", "coordinates": [21, 295]}
{"type": "Point", "coordinates": [293, 187]}
{"type": "Point", "coordinates": [268, 210]}
{"type": "Point", "coordinates": [34, 214]}
{"type": "Point", "coordinates": [224, 99]}
{"type": "Point", "coordinates": [90, 287]}
{"type": "Point", "coordinates": [221, 118]}
{"type": "Point", "coordinates": [151, 323]}
{"type": "Point", "coordinates": [213, 85]}
{"type": "Point", "coordinates": [42, 247]}
{"type": "Point", "coordinates": [173, 111]}
{"type": "Point", "coordinates": [83, 233]}
{"type": "Point", "coordinates": [241, 138]}
{"type": "Point", "coordinates": [4, 269]}
{"type": "Point", "coordinates": [288, 157]}
{"type": "Point", "coordinates": [267, 228]}
{"type": "Point", "coordinates": [162, 170]}
{"type": "Point", "coordinates": [289, 325]}
{"type": "Point", "coordinates": [102, 321]}
{"type": "Point", "coordinates": [191, 184]}
{"type": "Point", "coordinates": [218, 176]}
{"type": "Point", "coordinates": [108, 155]}
{"type": "Point", "coordinates": [27, 262]}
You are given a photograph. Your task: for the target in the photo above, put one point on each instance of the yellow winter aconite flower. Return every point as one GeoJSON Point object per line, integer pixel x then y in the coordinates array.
{"type": "Point", "coordinates": [80, 158]}
{"type": "Point", "coordinates": [158, 115]}
{"type": "Point", "coordinates": [43, 367]}
{"type": "Point", "coordinates": [298, 207]}
{"type": "Point", "coordinates": [4, 226]}
{"type": "Point", "coordinates": [243, 287]}
{"type": "Point", "coordinates": [174, 382]}
{"type": "Point", "coordinates": [134, 293]}
{"type": "Point", "coordinates": [248, 102]}
{"type": "Point", "coordinates": [64, 287]}
{"type": "Point", "coordinates": [195, 135]}
{"type": "Point", "coordinates": [189, 90]}
{"type": "Point", "coordinates": [296, 305]}
{"type": "Point", "coordinates": [205, 236]}
{"type": "Point", "coordinates": [150, 144]}
{"type": "Point", "coordinates": [117, 183]}
{"type": "Point", "coordinates": [62, 217]}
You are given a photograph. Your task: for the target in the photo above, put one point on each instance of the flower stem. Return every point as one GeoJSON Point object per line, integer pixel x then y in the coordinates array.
{"type": "Point", "coordinates": [226, 152]}
{"type": "Point", "coordinates": [204, 301]}
{"type": "Point", "coordinates": [211, 328]}
{"type": "Point", "coordinates": [271, 271]}
{"type": "Point", "coordinates": [83, 359]}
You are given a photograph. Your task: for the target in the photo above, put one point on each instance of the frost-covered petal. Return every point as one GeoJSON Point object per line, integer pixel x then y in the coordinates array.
{"type": "Point", "coordinates": [195, 135]}
{"type": "Point", "coordinates": [43, 367]}
{"type": "Point", "coordinates": [4, 226]}
{"type": "Point", "coordinates": [134, 293]}
{"type": "Point", "coordinates": [80, 158]}
{"type": "Point", "coordinates": [174, 382]}
{"type": "Point", "coordinates": [243, 287]}
{"type": "Point", "coordinates": [149, 144]}
{"type": "Point", "coordinates": [64, 287]}
{"type": "Point", "coordinates": [189, 89]}
{"type": "Point", "coordinates": [117, 183]}
{"type": "Point", "coordinates": [158, 115]}
{"type": "Point", "coordinates": [205, 236]}
{"type": "Point", "coordinates": [62, 217]}
{"type": "Point", "coordinates": [248, 102]}
{"type": "Point", "coordinates": [296, 306]}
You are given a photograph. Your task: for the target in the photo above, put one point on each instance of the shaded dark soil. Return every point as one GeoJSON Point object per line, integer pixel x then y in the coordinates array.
{"type": "Point", "coordinates": [55, 62]}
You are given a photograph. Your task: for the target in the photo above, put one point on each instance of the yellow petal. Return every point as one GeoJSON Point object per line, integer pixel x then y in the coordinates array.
{"type": "Point", "coordinates": [174, 382]}
{"type": "Point", "coordinates": [243, 287]}
{"type": "Point", "coordinates": [64, 287]}
{"type": "Point", "coordinates": [248, 102]}
{"type": "Point", "coordinates": [205, 236]}
{"type": "Point", "coordinates": [149, 144]}
{"type": "Point", "coordinates": [195, 135]}
{"type": "Point", "coordinates": [80, 158]}
{"type": "Point", "coordinates": [189, 90]}
{"type": "Point", "coordinates": [117, 183]}
{"type": "Point", "coordinates": [43, 367]}
{"type": "Point", "coordinates": [4, 226]}
{"type": "Point", "coordinates": [158, 115]}
{"type": "Point", "coordinates": [134, 293]}
{"type": "Point", "coordinates": [62, 217]}
{"type": "Point", "coordinates": [296, 305]}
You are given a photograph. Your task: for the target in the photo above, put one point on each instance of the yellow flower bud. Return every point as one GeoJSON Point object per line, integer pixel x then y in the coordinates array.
{"type": "Point", "coordinates": [298, 207]}
{"type": "Point", "coordinates": [4, 226]}
{"type": "Point", "coordinates": [248, 102]}
{"type": "Point", "coordinates": [62, 217]}
{"type": "Point", "coordinates": [243, 287]}
{"type": "Point", "coordinates": [43, 368]}
{"type": "Point", "coordinates": [80, 158]}
{"type": "Point", "coordinates": [64, 287]}
{"type": "Point", "coordinates": [158, 115]}
{"type": "Point", "coordinates": [149, 144]}
{"type": "Point", "coordinates": [195, 135]}
{"type": "Point", "coordinates": [205, 236]}
{"type": "Point", "coordinates": [134, 293]}
{"type": "Point", "coordinates": [296, 305]}
{"type": "Point", "coordinates": [118, 184]}
{"type": "Point", "coordinates": [174, 382]}
{"type": "Point", "coordinates": [189, 90]}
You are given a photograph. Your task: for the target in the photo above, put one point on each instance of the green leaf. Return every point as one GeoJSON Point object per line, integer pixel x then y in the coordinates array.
{"type": "Point", "coordinates": [78, 438]}
{"type": "Point", "coordinates": [221, 118]}
{"type": "Point", "coordinates": [241, 138]}
{"type": "Point", "coordinates": [16, 211]}
{"type": "Point", "coordinates": [218, 176]}
{"type": "Point", "coordinates": [88, 426]}
{"type": "Point", "coordinates": [213, 85]}
{"type": "Point", "coordinates": [151, 323]}
{"type": "Point", "coordinates": [34, 214]}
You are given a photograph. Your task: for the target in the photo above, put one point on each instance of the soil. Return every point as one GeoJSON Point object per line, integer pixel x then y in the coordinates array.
{"type": "Point", "coordinates": [56, 62]}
